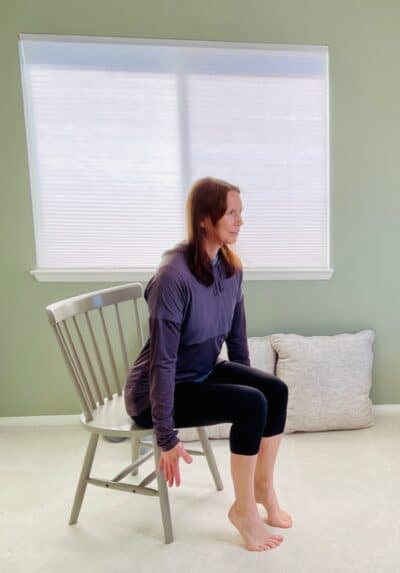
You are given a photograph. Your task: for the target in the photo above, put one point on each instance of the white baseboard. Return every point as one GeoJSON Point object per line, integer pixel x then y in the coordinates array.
{"type": "Point", "coordinates": [74, 418]}
{"type": "Point", "coordinates": [386, 408]}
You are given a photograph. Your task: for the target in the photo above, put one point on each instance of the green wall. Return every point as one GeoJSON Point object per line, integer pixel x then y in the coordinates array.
{"type": "Point", "coordinates": [364, 47]}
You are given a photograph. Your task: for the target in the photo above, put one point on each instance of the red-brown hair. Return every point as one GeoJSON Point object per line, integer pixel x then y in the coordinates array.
{"type": "Point", "coordinates": [208, 198]}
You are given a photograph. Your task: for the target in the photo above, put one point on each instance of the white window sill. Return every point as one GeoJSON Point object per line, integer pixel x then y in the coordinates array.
{"type": "Point", "coordinates": [122, 275]}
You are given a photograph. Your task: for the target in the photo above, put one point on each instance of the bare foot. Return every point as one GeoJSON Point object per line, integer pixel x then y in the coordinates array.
{"type": "Point", "coordinates": [276, 516]}
{"type": "Point", "coordinates": [256, 535]}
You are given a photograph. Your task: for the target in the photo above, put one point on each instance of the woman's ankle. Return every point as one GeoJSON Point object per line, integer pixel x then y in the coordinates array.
{"type": "Point", "coordinates": [246, 509]}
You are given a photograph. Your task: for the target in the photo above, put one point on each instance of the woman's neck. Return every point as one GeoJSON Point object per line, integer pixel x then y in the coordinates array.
{"type": "Point", "coordinates": [211, 248]}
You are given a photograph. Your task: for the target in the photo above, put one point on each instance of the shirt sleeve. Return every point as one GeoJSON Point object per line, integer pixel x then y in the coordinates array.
{"type": "Point", "coordinates": [236, 342]}
{"type": "Point", "coordinates": [165, 299]}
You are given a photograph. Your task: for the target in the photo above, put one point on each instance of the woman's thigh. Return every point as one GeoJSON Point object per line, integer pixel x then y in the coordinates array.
{"type": "Point", "coordinates": [234, 373]}
{"type": "Point", "coordinates": [202, 404]}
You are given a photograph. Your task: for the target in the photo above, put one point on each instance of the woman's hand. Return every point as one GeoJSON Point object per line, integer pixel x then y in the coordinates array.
{"type": "Point", "coordinates": [169, 464]}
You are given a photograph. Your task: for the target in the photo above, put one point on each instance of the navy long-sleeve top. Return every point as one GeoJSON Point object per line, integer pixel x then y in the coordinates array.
{"type": "Point", "coordinates": [188, 323]}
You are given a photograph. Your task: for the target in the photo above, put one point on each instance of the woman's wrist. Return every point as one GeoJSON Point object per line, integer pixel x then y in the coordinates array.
{"type": "Point", "coordinates": [171, 445]}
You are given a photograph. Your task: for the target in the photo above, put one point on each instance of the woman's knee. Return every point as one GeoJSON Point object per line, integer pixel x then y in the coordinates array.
{"type": "Point", "coordinates": [253, 403]}
{"type": "Point", "coordinates": [282, 390]}
{"type": "Point", "coordinates": [249, 423]}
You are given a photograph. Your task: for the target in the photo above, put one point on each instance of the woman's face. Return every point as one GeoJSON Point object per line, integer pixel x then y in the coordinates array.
{"type": "Point", "coordinates": [227, 229]}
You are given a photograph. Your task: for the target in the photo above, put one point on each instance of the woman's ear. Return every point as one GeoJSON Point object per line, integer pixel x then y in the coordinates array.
{"type": "Point", "coordinates": [205, 223]}
{"type": "Point", "coordinates": [207, 227]}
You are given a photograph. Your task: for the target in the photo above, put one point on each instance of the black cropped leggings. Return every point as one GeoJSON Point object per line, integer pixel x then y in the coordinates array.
{"type": "Point", "coordinates": [253, 401]}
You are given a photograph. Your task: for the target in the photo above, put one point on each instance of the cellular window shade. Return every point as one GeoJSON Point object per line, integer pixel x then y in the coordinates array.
{"type": "Point", "coordinates": [118, 130]}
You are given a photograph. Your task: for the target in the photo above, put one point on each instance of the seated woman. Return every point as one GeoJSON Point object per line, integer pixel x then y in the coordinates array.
{"type": "Point", "coordinates": [196, 303]}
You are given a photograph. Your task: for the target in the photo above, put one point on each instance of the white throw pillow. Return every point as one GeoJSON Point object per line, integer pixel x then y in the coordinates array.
{"type": "Point", "coordinates": [263, 357]}
{"type": "Point", "coordinates": [329, 379]}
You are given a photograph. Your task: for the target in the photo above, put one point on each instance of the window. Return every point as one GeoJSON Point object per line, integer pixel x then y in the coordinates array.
{"type": "Point", "coordinates": [118, 130]}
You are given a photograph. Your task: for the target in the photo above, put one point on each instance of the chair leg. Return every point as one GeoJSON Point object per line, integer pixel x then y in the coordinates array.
{"type": "Point", "coordinates": [163, 495]}
{"type": "Point", "coordinates": [135, 453]}
{"type": "Point", "coordinates": [82, 483]}
{"type": "Point", "coordinates": [212, 464]}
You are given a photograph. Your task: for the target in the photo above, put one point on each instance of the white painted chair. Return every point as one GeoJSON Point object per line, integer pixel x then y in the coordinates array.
{"type": "Point", "coordinates": [88, 333]}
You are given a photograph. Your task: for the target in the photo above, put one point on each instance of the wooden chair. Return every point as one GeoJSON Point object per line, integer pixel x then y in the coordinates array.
{"type": "Point", "coordinates": [88, 332]}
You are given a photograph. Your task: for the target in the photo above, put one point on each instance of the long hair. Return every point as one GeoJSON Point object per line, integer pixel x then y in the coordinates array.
{"type": "Point", "coordinates": [208, 198]}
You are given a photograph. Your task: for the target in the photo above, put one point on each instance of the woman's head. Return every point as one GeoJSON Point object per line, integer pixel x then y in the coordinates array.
{"type": "Point", "coordinates": [213, 221]}
{"type": "Point", "coordinates": [214, 211]}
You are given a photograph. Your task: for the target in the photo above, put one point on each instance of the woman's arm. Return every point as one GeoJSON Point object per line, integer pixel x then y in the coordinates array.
{"type": "Point", "coordinates": [164, 342]}
{"type": "Point", "coordinates": [236, 342]}
{"type": "Point", "coordinates": [166, 302]}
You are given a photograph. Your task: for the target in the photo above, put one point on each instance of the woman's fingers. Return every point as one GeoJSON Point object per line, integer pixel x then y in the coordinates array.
{"type": "Point", "coordinates": [187, 457]}
{"type": "Point", "coordinates": [164, 469]}
{"type": "Point", "coordinates": [184, 454]}
{"type": "Point", "coordinates": [169, 464]}
{"type": "Point", "coordinates": [168, 472]}
{"type": "Point", "coordinates": [173, 473]}
{"type": "Point", "coordinates": [177, 473]}
{"type": "Point", "coordinates": [170, 476]}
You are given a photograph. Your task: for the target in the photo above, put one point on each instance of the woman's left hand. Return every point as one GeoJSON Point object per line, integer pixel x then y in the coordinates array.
{"type": "Point", "coordinates": [169, 463]}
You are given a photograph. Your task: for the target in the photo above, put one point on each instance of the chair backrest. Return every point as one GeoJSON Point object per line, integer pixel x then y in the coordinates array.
{"type": "Point", "coordinates": [84, 330]}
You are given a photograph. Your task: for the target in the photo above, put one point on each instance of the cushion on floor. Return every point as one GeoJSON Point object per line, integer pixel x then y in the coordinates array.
{"type": "Point", "coordinates": [329, 379]}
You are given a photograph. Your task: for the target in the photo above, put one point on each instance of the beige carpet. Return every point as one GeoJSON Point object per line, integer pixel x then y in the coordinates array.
{"type": "Point", "coordinates": [341, 487]}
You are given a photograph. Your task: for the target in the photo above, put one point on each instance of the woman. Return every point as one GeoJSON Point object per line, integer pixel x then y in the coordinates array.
{"type": "Point", "coordinates": [195, 304]}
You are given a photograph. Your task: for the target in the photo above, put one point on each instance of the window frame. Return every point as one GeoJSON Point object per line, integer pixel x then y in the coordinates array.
{"type": "Point", "coordinates": [144, 274]}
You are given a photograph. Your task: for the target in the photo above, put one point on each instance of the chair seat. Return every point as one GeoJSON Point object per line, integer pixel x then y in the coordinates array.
{"type": "Point", "coordinates": [111, 418]}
